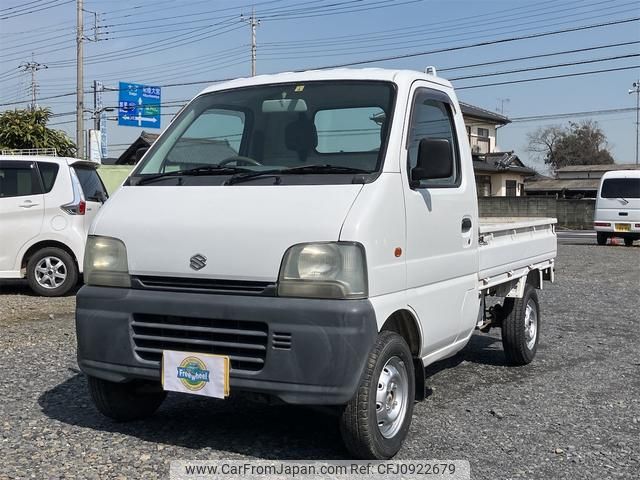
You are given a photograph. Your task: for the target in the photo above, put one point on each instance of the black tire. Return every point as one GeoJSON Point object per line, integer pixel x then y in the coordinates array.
{"type": "Point", "coordinates": [67, 263]}
{"type": "Point", "coordinates": [601, 238]}
{"type": "Point", "coordinates": [358, 421]}
{"type": "Point", "coordinates": [124, 402]}
{"type": "Point", "coordinates": [517, 346]}
{"type": "Point", "coordinates": [628, 242]}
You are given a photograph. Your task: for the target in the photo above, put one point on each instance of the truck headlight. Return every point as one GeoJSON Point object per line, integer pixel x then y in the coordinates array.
{"type": "Point", "coordinates": [105, 262]}
{"type": "Point", "coordinates": [324, 270]}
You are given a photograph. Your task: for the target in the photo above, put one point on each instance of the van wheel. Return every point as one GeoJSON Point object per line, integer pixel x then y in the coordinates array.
{"type": "Point", "coordinates": [628, 242]}
{"type": "Point", "coordinates": [376, 420]}
{"type": "Point", "coordinates": [51, 272]}
{"type": "Point", "coordinates": [521, 327]}
{"type": "Point", "coordinates": [601, 238]}
{"type": "Point", "coordinates": [126, 401]}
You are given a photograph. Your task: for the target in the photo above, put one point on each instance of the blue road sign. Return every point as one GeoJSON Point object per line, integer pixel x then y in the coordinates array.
{"type": "Point", "coordinates": [139, 106]}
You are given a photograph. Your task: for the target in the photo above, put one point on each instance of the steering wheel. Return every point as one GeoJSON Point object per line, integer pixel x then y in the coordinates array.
{"type": "Point", "coordinates": [240, 160]}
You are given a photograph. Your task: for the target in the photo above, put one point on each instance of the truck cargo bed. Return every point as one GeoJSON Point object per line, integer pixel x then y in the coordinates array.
{"type": "Point", "coordinates": [510, 247]}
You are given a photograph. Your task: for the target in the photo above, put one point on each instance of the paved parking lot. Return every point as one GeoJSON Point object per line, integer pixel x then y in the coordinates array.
{"type": "Point", "coordinates": [573, 413]}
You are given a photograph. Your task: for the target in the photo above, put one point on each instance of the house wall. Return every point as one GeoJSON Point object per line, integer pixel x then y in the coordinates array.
{"type": "Point", "coordinates": [499, 183]}
{"type": "Point", "coordinates": [474, 124]}
{"type": "Point", "coordinates": [574, 214]}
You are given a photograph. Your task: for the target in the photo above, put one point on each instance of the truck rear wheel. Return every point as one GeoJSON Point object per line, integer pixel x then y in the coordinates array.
{"type": "Point", "coordinates": [376, 420]}
{"type": "Point", "coordinates": [601, 238]}
{"type": "Point", "coordinates": [521, 327]}
{"type": "Point", "coordinates": [628, 242]}
{"type": "Point", "coordinates": [126, 401]}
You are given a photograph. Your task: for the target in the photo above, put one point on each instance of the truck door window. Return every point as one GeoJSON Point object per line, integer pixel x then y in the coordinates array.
{"type": "Point", "coordinates": [18, 179]}
{"type": "Point", "coordinates": [432, 117]}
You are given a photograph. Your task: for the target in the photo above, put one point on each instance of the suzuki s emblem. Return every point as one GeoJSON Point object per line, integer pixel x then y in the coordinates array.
{"type": "Point", "coordinates": [198, 261]}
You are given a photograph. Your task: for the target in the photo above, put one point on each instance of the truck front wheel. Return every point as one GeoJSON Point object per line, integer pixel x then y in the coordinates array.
{"type": "Point", "coordinates": [521, 327]}
{"type": "Point", "coordinates": [376, 420]}
{"type": "Point", "coordinates": [126, 401]}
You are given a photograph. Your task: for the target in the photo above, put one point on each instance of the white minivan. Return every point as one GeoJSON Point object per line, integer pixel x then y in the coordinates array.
{"type": "Point", "coordinates": [617, 212]}
{"type": "Point", "coordinates": [47, 205]}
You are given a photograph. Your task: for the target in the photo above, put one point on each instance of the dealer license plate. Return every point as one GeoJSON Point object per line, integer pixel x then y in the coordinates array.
{"type": "Point", "coordinates": [195, 373]}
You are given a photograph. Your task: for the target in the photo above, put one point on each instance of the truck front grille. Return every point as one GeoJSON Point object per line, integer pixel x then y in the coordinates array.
{"type": "Point", "coordinates": [202, 285]}
{"type": "Point", "coordinates": [244, 342]}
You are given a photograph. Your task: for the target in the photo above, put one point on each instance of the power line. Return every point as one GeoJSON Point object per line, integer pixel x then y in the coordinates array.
{"type": "Point", "coordinates": [542, 55]}
{"type": "Point", "coordinates": [566, 75]}
{"type": "Point", "coordinates": [544, 67]}
{"type": "Point", "coordinates": [34, 9]}
{"type": "Point", "coordinates": [386, 45]}
{"type": "Point", "coordinates": [551, 116]}
{"type": "Point", "coordinates": [20, 6]}
{"type": "Point", "coordinates": [482, 44]}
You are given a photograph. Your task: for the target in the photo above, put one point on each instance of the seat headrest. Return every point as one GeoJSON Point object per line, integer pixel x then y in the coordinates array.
{"type": "Point", "coordinates": [301, 136]}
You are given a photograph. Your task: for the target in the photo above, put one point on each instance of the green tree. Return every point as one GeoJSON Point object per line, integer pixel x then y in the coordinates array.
{"type": "Point", "coordinates": [581, 143]}
{"type": "Point", "coordinates": [28, 129]}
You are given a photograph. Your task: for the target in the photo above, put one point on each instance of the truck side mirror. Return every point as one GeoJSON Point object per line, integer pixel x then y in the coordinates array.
{"type": "Point", "coordinates": [435, 160]}
{"type": "Point", "coordinates": [140, 153]}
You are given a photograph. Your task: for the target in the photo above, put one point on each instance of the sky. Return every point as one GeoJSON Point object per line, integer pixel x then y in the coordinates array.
{"type": "Point", "coordinates": [169, 42]}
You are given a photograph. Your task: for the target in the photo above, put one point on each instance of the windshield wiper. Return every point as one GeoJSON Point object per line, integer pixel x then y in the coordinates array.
{"type": "Point", "coordinates": [624, 200]}
{"type": "Point", "coordinates": [303, 169]}
{"type": "Point", "coordinates": [207, 170]}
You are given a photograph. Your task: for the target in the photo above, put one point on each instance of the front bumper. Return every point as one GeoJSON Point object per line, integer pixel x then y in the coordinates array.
{"type": "Point", "coordinates": [330, 339]}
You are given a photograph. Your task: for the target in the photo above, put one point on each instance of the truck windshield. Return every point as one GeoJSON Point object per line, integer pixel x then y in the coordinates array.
{"type": "Point", "coordinates": [276, 129]}
{"type": "Point", "coordinates": [621, 188]}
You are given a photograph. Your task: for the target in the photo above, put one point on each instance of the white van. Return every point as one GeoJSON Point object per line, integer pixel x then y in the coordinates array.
{"type": "Point", "coordinates": [617, 211]}
{"type": "Point", "coordinates": [46, 207]}
{"type": "Point", "coordinates": [316, 232]}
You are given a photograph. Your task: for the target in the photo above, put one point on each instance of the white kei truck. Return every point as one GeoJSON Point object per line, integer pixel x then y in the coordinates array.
{"type": "Point", "coordinates": [318, 232]}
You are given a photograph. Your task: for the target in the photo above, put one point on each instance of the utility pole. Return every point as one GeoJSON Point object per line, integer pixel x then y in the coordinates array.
{"type": "Point", "coordinates": [253, 23]}
{"type": "Point", "coordinates": [33, 67]}
{"type": "Point", "coordinates": [79, 81]}
{"type": "Point", "coordinates": [636, 90]}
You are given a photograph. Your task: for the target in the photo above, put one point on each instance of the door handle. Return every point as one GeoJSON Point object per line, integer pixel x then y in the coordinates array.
{"type": "Point", "coordinates": [466, 224]}
{"type": "Point", "coordinates": [28, 204]}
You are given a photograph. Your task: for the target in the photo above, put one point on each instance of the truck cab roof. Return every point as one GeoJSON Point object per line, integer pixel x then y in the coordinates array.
{"type": "Point", "coordinates": [400, 77]}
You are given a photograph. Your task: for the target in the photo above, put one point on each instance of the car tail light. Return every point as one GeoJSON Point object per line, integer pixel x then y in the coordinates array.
{"type": "Point", "coordinates": [637, 225]}
{"type": "Point", "coordinates": [601, 224]}
{"type": "Point", "coordinates": [77, 206]}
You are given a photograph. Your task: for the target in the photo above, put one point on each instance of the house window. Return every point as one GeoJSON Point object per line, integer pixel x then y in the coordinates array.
{"type": "Point", "coordinates": [483, 185]}
{"type": "Point", "coordinates": [511, 188]}
{"type": "Point", "coordinates": [483, 132]}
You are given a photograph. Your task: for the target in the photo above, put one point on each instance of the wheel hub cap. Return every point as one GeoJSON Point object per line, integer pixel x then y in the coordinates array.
{"type": "Point", "coordinates": [392, 397]}
{"type": "Point", "coordinates": [530, 324]}
{"type": "Point", "coordinates": [50, 272]}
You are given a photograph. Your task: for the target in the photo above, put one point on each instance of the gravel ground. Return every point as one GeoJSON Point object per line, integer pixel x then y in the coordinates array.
{"type": "Point", "coordinates": [573, 413]}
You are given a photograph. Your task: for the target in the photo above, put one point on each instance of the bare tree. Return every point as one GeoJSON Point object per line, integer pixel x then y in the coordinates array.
{"type": "Point", "coordinates": [581, 143]}
{"type": "Point", "coordinates": [543, 142]}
